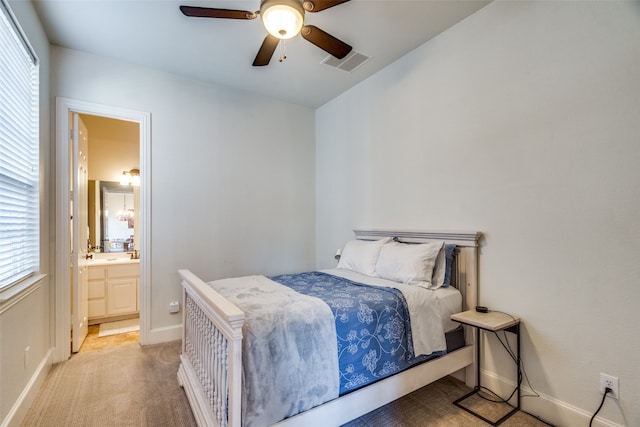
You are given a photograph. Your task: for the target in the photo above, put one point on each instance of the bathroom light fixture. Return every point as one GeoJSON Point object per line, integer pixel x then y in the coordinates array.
{"type": "Point", "coordinates": [124, 214]}
{"type": "Point", "coordinates": [131, 177]}
{"type": "Point", "coordinates": [282, 18]}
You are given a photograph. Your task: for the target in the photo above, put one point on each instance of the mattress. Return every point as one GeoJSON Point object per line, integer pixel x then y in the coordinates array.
{"type": "Point", "coordinates": [450, 302]}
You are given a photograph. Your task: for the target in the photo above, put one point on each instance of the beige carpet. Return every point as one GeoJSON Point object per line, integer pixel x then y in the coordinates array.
{"type": "Point", "coordinates": [432, 406]}
{"type": "Point", "coordinates": [128, 385]}
{"type": "Point", "coordinates": [133, 386]}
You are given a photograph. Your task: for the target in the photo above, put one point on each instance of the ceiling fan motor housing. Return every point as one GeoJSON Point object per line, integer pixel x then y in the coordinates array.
{"type": "Point", "coordinates": [282, 18]}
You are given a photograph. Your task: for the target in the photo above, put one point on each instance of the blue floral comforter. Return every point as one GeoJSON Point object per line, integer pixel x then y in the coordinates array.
{"type": "Point", "coordinates": [372, 324]}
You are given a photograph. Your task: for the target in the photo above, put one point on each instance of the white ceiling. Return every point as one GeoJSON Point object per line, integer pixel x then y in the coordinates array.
{"type": "Point", "coordinates": [154, 33]}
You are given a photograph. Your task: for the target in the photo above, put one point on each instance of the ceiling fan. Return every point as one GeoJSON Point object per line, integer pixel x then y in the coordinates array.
{"type": "Point", "coordinates": [283, 19]}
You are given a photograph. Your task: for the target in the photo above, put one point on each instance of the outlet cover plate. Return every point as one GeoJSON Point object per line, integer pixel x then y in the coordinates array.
{"type": "Point", "coordinates": [609, 381]}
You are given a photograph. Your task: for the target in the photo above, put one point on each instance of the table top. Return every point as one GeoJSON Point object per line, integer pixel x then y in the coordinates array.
{"type": "Point", "coordinates": [492, 321]}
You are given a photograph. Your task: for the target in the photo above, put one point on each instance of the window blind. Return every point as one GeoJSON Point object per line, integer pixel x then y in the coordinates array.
{"type": "Point", "coordinates": [19, 154]}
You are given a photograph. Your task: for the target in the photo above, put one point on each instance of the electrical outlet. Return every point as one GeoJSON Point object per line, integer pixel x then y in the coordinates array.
{"type": "Point", "coordinates": [174, 307]}
{"type": "Point", "coordinates": [27, 357]}
{"type": "Point", "coordinates": [611, 382]}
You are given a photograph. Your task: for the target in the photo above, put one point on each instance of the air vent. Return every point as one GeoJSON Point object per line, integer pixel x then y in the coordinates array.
{"type": "Point", "coordinates": [349, 63]}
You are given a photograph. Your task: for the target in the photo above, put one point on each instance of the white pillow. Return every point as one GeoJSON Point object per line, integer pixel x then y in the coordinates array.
{"type": "Point", "coordinates": [437, 279]}
{"type": "Point", "coordinates": [361, 256]}
{"type": "Point", "coordinates": [408, 263]}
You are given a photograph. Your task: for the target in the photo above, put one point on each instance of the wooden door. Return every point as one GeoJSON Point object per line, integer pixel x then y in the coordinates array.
{"type": "Point", "coordinates": [80, 234]}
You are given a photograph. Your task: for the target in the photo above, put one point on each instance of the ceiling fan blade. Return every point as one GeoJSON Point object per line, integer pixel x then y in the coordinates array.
{"type": "Point", "coordinates": [208, 12]}
{"type": "Point", "coordinates": [325, 41]}
{"type": "Point", "coordinates": [318, 5]}
{"type": "Point", "coordinates": [266, 51]}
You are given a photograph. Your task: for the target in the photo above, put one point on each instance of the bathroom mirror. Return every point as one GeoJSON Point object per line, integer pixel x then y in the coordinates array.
{"type": "Point", "coordinates": [113, 217]}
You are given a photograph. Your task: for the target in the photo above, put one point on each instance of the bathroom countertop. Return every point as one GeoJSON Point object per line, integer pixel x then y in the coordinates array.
{"type": "Point", "coordinates": [112, 260]}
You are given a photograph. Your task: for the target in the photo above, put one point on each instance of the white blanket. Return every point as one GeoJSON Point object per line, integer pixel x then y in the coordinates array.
{"type": "Point", "coordinates": [289, 346]}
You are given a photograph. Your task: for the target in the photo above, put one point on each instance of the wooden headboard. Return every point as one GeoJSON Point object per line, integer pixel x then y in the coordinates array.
{"type": "Point", "coordinates": [465, 266]}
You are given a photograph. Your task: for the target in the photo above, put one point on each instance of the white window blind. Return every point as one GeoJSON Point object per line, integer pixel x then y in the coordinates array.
{"type": "Point", "coordinates": [19, 154]}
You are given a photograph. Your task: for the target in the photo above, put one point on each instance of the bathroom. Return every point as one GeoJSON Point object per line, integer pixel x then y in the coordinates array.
{"type": "Point", "coordinates": [113, 221]}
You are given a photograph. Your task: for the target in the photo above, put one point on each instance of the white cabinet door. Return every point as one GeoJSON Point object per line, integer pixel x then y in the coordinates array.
{"type": "Point", "coordinates": [121, 296]}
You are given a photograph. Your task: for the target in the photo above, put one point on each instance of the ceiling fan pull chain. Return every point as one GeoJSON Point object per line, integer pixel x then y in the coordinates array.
{"type": "Point", "coordinates": [283, 50]}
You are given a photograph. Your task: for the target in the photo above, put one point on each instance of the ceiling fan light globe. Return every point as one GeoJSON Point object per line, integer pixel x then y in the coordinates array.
{"type": "Point", "coordinates": [282, 19]}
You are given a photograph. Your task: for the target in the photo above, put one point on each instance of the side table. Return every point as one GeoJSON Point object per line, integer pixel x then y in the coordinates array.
{"type": "Point", "coordinates": [492, 321]}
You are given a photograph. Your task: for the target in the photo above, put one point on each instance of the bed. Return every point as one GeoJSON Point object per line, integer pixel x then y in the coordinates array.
{"type": "Point", "coordinates": [222, 394]}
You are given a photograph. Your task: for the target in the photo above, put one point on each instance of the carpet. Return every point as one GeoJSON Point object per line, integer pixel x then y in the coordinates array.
{"type": "Point", "coordinates": [432, 406]}
{"type": "Point", "coordinates": [122, 386]}
{"type": "Point", "coordinates": [119, 327]}
{"type": "Point", "coordinates": [136, 386]}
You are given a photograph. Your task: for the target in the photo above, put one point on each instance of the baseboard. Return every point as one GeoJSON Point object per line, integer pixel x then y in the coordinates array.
{"type": "Point", "coordinates": [546, 408]}
{"type": "Point", "coordinates": [162, 335]}
{"type": "Point", "coordinates": [21, 406]}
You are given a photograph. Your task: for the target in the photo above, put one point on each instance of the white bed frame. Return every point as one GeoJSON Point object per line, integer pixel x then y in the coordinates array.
{"type": "Point", "coordinates": [211, 361]}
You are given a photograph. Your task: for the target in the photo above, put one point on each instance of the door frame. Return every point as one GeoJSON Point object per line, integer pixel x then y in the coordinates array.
{"type": "Point", "coordinates": [64, 106]}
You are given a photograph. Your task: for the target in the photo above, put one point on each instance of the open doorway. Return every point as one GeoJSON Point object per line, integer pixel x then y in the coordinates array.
{"type": "Point", "coordinates": [121, 147]}
{"type": "Point", "coordinates": [113, 224]}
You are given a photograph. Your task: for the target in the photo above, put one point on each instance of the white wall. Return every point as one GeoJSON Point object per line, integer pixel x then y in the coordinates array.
{"type": "Point", "coordinates": [25, 322]}
{"type": "Point", "coordinates": [231, 173]}
{"type": "Point", "coordinates": [522, 122]}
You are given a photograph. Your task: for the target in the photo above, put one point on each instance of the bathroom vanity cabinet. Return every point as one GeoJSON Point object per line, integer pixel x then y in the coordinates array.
{"type": "Point", "coordinates": [113, 289]}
